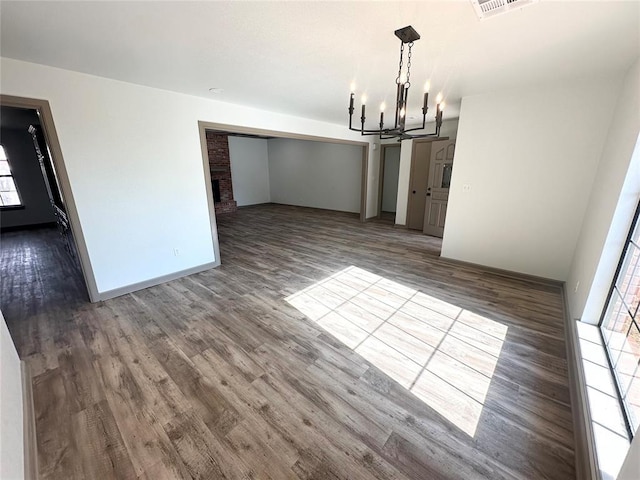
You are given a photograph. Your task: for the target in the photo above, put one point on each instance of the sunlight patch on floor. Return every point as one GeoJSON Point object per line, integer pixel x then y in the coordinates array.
{"type": "Point", "coordinates": [443, 354]}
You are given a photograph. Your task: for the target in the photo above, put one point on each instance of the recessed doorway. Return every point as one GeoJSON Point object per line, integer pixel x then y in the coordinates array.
{"type": "Point", "coordinates": [389, 177]}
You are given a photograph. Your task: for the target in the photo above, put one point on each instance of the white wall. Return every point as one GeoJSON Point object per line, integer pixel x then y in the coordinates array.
{"type": "Point", "coordinates": [530, 157]}
{"type": "Point", "coordinates": [135, 166]}
{"type": "Point", "coordinates": [26, 172]}
{"type": "Point", "coordinates": [613, 200]}
{"type": "Point", "coordinates": [249, 170]}
{"type": "Point", "coordinates": [390, 179]}
{"type": "Point", "coordinates": [315, 174]}
{"type": "Point", "coordinates": [449, 129]}
{"type": "Point", "coordinates": [11, 414]}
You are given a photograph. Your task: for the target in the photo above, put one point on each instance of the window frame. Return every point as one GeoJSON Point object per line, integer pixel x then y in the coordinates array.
{"type": "Point", "coordinates": [635, 319]}
{"type": "Point", "coordinates": [15, 184]}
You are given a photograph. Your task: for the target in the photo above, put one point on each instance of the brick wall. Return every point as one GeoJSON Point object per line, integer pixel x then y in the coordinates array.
{"type": "Point", "coordinates": [220, 168]}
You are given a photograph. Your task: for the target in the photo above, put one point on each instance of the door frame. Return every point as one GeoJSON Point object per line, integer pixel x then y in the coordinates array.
{"type": "Point", "coordinates": [51, 136]}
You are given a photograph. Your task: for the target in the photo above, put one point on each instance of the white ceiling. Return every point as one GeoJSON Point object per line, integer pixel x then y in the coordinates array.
{"type": "Point", "coordinates": [300, 57]}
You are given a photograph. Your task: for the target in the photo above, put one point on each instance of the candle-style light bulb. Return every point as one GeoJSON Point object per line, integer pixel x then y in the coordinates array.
{"type": "Point", "coordinates": [382, 106]}
{"type": "Point", "coordinates": [427, 86]}
{"type": "Point", "coordinates": [442, 106]}
{"type": "Point", "coordinates": [439, 98]}
{"type": "Point", "coordinates": [353, 87]}
{"type": "Point", "coordinates": [363, 99]}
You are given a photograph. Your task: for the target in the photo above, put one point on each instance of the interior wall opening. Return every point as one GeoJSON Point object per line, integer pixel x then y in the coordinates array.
{"type": "Point", "coordinates": [246, 166]}
{"type": "Point", "coordinates": [39, 255]}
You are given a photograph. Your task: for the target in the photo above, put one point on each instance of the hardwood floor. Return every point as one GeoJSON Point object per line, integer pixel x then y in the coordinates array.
{"type": "Point", "coordinates": [322, 348]}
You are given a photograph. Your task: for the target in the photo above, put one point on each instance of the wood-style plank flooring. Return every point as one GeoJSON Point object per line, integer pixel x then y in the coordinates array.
{"type": "Point", "coordinates": [322, 348]}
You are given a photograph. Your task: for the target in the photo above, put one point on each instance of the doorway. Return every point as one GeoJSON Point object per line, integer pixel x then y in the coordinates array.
{"type": "Point", "coordinates": [389, 177]}
{"type": "Point", "coordinates": [40, 227]}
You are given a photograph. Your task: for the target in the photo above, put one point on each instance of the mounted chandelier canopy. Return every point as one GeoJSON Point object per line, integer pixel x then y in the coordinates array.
{"type": "Point", "coordinates": [407, 35]}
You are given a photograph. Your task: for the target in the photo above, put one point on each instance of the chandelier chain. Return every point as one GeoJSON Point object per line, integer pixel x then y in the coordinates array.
{"type": "Point", "coordinates": [408, 83]}
{"type": "Point", "coordinates": [400, 66]}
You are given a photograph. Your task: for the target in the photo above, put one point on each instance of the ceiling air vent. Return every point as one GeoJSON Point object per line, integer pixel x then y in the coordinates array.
{"type": "Point", "coordinates": [490, 8]}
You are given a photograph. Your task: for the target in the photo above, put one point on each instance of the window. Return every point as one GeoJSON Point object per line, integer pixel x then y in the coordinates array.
{"type": "Point", "coordinates": [9, 196]}
{"type": "Point", "coordinates": [620, 326]}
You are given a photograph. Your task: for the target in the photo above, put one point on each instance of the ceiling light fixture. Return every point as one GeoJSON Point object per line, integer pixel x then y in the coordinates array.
{"type": "Point", "coordinates": [407, 35]}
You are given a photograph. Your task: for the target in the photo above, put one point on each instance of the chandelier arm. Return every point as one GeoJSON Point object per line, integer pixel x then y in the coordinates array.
{"type": "Point", "coordinates": [368, 132]}
{"type": "Point", "coordinates": [395, 131]}
{"type": "Point", "coordinates": [417, 128]}
{"type": "Point", "coordinates": [425, 136]}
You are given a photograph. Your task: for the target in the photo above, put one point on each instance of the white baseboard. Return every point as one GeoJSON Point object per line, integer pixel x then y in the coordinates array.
{"type": "Point", "coordinates": [116, 292]}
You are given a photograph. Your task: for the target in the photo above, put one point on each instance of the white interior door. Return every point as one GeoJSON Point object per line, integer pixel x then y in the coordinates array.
{"type": "Point", "coordinates": [437, 196]}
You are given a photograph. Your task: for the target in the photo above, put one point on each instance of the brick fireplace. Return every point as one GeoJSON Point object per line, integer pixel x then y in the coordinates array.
{"type": "Point", "coordinates": [220, 168]}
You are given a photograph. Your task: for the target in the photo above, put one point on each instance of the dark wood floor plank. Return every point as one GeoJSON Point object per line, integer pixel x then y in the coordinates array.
{"type": "Point", "coordinates": [217, 375]}
{"type": "Point", "coordinates": [200, 392]}
{"type": "Point", "coordinates": [321, 442]}
{"type": "Point", "coordinates": [144, 438]}
{"type": "Point", "coordinates": [102, 451]}
{"type": "Point", "coordinates": [203, 453]}
{"type": "Point", "coordinates": [249, 402]}
{"type": "Point", "coordinates": [79, 375]}
{"type": "Point", "coordinates": [58, 456]}
{"type": "Point", "coordinates": [258, 454]}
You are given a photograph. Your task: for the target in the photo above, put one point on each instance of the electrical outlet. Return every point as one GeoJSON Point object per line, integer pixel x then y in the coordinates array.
{"type": "Point", "coordinates": [176, 252]}
{"type": "Point", "coordinates": [575, 290]}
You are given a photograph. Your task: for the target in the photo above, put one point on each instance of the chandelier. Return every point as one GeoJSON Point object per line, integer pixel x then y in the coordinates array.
{"type": "Point", "coordinates": [407, 35]}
